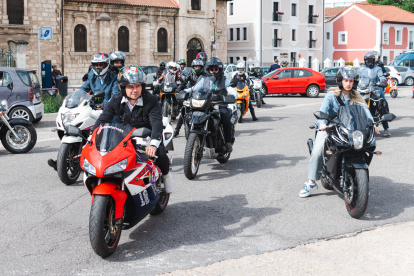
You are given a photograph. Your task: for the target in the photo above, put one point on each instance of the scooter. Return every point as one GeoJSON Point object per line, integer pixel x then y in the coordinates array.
{"type": "Point", "coordinates": [243, 99]}
{"type": "Point", "coordinates": [125, 184]}
{"type": "Point", "coordinates": [81, 109]}
{"type": "Point", "coordinates": [17, 135]}
{"type": "Point", "coordinates": [391, 88]}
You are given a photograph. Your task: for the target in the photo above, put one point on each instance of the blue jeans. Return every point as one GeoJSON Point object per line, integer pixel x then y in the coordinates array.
{"type": "Point", "coordinates": [384, 124]}
{"type": "Point", "coordinates": [316, 160]}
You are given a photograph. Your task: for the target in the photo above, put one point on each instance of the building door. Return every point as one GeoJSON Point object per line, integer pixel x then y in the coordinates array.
{"type": "Point", "coordinates": [193, 48]}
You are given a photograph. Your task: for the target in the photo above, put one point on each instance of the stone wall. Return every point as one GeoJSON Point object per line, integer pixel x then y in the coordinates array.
{"type": "Point", "coordinates": [222, 25]}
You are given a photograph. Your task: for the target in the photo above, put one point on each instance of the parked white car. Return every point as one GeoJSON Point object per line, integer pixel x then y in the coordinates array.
{"type": "Point", "coordinates": [401, 75]}
{"type": "Point", "coordinates": [229, 70]}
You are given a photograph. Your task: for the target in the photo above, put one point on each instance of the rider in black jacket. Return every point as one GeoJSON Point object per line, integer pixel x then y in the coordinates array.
{"type": "Point", "coordinates": [190, 80]}
{"type": "Point", "coordinates": [137, 107]}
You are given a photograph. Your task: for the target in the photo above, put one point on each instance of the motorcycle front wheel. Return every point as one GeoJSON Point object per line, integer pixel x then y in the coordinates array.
{"type": "Point", "coordinates": [166, 109]}
{"type": "Point", "coordinates": [258, 100]}
{"type": "Point", "coordinates": [394, 94]}
{"type": "Point", "coordinates": [12, 144]}
{"type": "Point", "coordinates": [356, 198]}
{"type": "Point", "coordinates": [104, 230]}
{"type": "Point", "coordinates": [191, 160]}
{"type": "Point", "coordinates": [68, 168]}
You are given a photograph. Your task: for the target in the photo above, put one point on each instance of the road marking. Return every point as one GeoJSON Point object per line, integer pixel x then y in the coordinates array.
{"type": "Point", "coordinates": [286, 107]}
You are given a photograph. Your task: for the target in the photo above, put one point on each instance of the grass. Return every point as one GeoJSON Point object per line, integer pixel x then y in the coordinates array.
{"type": "Point", "coordinates": [52, 105]}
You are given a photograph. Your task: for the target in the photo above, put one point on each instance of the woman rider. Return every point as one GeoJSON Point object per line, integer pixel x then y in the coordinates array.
{"type": "Point", "coordinates": [347, 80]}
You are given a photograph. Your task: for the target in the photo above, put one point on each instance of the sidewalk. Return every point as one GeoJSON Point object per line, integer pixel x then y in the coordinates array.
{"type": "Point", "coordinates": [388, 250]}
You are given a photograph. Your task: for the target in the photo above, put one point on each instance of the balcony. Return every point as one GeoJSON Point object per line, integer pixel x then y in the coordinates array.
{"type": "Point", "coordinates": [277, 42]}
{"type": "Point", "coordinates": [312, 19]}
{"type": "Point", "coordinates": [411, 45]}
{"type": "Point", "coordinates": [277, 16]}
{"type": "Point", "coordinates": [312, 43]}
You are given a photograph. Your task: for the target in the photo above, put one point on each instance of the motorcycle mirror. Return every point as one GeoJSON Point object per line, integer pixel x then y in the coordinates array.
{"type": "Point", "coordinates": [388, 117]}
{"type": "Point", "coordinates": [381, 84]}
{"type": "Point", "coordinates": [386, 75]}
{"type": "Point", "coordinates": [154, 77]}
{"type": "Point", "coordinates": [321, 115]}
{"type": "Point", "coordinates": [52, 93]}
{"type": "Point", "coordinates": [72, 131]}
{"type": "Point", "coordinates": [98, 97]}
{"type": "Point", "coordinates": [228, 100]}
{"type": "Point", "coordinates": [141, 132]}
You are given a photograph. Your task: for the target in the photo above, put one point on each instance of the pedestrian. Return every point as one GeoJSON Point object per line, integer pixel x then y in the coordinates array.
{"type": "Point", "coordinates": [55, 73]}
{"type": "Point", "coordinates": [274, 66]}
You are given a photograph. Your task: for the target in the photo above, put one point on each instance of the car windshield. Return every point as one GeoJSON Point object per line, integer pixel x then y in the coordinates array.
{"type": "Point", "coordinates": [73, 100]}
{"type": "Point", "coordinates": [203, 92]}
{"type": "Point", "coordinates": [354, 117]}
{"type": "Point", "coordinates": [268, 75]}
{"type": "Point", "coordinates": [108, 136]}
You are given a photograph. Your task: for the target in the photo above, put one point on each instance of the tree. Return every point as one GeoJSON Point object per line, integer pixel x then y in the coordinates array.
{"type": "Point", "coordinates": [407, 5]}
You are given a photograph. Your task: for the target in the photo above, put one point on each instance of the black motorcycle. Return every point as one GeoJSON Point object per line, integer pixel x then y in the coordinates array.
{"type": "Point", "coordinates": [206, 135]}
{"type": "Point", "coordinates": [256, 91]}
{"type": "Point", "coordinates": [372, 96]}
{"type": "Point", "coordinates": [347, 154]}
{"type": "Point", "coordinates": [17, 135]}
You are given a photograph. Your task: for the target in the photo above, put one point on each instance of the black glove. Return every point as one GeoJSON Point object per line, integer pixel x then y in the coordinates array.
{"type": "Point", "coordinates": [85, 77]}
{"type": "Point", "coordinates": [233, 83]}
{"type": "Point", "coordinates": [113, 69]}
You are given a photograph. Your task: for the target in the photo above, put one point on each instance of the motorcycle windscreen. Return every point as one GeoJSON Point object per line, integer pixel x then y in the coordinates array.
{"type": "Point", "coordinates": [169, 86]}
{"type": "Point", "coordinates": [77, 98]}
{"type": "Point", "coordinates": [108, 136]}
{"type": "Point", "coordinates": [354, 117]}
{"type": "Point", "coordinates": [202, 91]}
{"type": "Point", "coordinates": [241, 85]}
{"type": "Point", "coordinates": [169, 78]}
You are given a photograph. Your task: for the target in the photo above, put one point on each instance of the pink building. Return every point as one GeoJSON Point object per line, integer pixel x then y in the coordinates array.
{"type": "Point", "coordinates": [364, 27]}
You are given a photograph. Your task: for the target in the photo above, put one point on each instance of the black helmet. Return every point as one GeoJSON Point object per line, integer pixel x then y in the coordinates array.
{"type": "Point", "coordinates": [182, 62]}
{"type": "Point", "coordinates": [118, 56]}
{"type": "Point", "coordinates": [348, 72]}
{"type": "Point", "coordinates": [100, 58]}
{"type": "Point", "coordinates": [203, 57]}
{"type": "Point", "coordinates": [197, 62]}
{"type": "Point", "coordinates": [369, 55]}
{"type": "Point", "coordinates": [215, 62]}
{"type": "Point", "coordinates": [162, 63]}
{"type": "Point", "coordinates": [131, 74]}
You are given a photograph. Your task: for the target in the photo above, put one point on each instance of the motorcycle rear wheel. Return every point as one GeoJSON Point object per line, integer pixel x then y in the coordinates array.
{"type": "Point", "coordinates": [104, 233]}
{"type": "Point", "coordinates": [161, 205]}
{"type": "Point", "coordinates": [68, 168]}
{"type": "Point", "coordinates": [394, 94]}
{"type": "Point", "coordinates": [356, 200]}
{"type": "Point", "coordinates": [258, 100]}
{"type": "Point", "coordinates": [191, 162]}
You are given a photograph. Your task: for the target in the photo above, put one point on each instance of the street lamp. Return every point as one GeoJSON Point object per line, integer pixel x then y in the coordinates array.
{"type": "Point", "coordinates": [218, 33]}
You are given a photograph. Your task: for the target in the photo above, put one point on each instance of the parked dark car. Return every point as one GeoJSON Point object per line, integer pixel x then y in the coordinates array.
{"type": "Point", "coordinates": [330, 76]}
{"type": "Point", "coordinates": [21, 89]}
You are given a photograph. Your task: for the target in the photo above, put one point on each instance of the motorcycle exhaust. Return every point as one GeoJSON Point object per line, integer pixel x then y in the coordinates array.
{"type": "Point", "coordinates": [310, 145]}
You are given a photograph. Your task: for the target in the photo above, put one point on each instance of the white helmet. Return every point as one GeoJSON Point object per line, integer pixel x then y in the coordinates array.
{"type": "Point", "coordinates": [240, 68]}
{"type": "Point", "coordinates": [171, 66]}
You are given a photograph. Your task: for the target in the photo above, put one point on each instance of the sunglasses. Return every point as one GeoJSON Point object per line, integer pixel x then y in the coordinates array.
{"type": "Point", "coordinates": [214, 69]}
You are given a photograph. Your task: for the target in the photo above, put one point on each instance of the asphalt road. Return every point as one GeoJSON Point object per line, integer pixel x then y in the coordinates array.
{"type": "Point", "coordinates": [248, 206]}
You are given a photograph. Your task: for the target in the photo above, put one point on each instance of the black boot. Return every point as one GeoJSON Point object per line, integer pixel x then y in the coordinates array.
{"type": "Point", "coordinates": [253, 115]}
{"type": "Point", "coordinates": [229, 148]}
{"type": "Point", "coordinates": [263, 102]}
{"type": "Point", "coordinates": [176, 133]}
{"type": "Point", "coordinates": [52, 163]}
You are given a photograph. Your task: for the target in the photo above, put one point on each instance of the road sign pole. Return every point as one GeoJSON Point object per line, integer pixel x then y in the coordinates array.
{"type": "Point", "coordinates": [38, 58]}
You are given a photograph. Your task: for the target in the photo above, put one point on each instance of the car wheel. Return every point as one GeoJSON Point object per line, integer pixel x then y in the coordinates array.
{"type": "Point", "coordinates": [21, 112]}
{"type": "Point", "coordinates": [409, 81]}
{"type": "Point", "coordinates": [312, 91]}
{"type": "Point", "coordinates": [395, 81]}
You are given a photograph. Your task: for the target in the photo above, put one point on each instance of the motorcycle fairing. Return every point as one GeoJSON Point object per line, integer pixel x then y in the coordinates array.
{"type": "Point", "coordinates": [199, 117]}
{"type": "Point", "coordinates": [118, 195]}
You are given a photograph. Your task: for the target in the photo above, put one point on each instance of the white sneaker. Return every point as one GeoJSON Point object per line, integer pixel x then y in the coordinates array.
{"type": "Point", "coordinates": [168, 183]}
{"type": "Point", "coordinates": [308, 188]}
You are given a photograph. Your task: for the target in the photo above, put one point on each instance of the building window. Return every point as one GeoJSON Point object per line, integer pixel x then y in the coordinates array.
{"type": "Point", "coordinates": [293, 35]}
{"type": "Point", "coordinates": [80, 38]}
{"type": "Point", "coordinates": [162, 39]}
{"type": "Point", "coordinates": [342, 38]}
{"type": "Point", "coordinates": [195, 5]}
{"type": "Point", "coordinates": [15, 11]}
{"type": "Point", "coordinates": [123, 39]}
{"type": "Point", "coordinates": [293, 9]}
{"type": "Point", "coordinates": [231, 59]}
{"type": "Point", "coordinates": [275, 7]}
{"type": "Point", "coordinates": [245, 58]}
{"type": "Point", "coordinates": [237, 33]}
{"type": "Point", "coordinates": [244, 33]}
{"type": "Point", "coordinates": [231, 8]}
{"type": "Point", "coordinates": [328, 35]}
{"type": "Point", "coordinates": [398, 36]}
{"type": "Point", "coordinates": [231, 34]}
{"type": "Point", "coordinates": [385, 36]}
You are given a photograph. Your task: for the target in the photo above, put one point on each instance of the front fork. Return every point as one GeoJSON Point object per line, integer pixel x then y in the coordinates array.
{"type": "Point", "coordinates": [344, 176]}
{"type": "Point", "coordinates": [5, 120]}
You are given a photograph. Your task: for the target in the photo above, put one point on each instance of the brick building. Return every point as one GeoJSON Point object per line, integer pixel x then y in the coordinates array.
{"type": "Point", "coordinates": [144, 29]}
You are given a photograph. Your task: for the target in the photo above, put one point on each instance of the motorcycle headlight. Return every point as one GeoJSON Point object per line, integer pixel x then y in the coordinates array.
{"type": "Point", "coordinates": [118, 167]}
{"type": "Point", "coordinates": [68, 117]}
{"type": "Point", "coordinates": [358, 139]}
{"type": "Point", "coordinates": [197, 103]}
{"type": "Point", "coordinates": [244, 96]}
{"type": "Point", "coordinates": [168, 89]}
{"type": "Point", "coordinates": [186, 103]}
{"type": "Point", "coordinates": [257, 85]}
{"type": "Point", "coordinates": [88, 167]}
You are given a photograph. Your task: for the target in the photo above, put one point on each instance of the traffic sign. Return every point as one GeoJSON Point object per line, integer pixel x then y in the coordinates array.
{"type": "Point", "coordinates": [45, 33]}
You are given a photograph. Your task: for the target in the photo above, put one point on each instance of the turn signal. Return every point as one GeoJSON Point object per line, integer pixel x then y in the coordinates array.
{"type": "Point", "coordinates": [329, 152]}
{"type": "Point", "coordinates": [378, 153]}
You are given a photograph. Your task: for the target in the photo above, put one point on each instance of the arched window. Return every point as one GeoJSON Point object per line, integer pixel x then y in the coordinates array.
{"type": "Point", "coordinates": [15, 11]}
{"type": "Point", "coordinates": [162, 40]}
{"type": "Point", "coordinates": [123, 39]}
{"type": "Point", "coordinates": [80, 39]}
{"type": "Point", "coordinates": [195, 5]}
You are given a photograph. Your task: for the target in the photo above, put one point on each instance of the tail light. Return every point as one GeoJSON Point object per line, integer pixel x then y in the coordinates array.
{"type": "Point", "coordinates": [398, 74]}
{"type": "Point", "coordinates": [31, 93]}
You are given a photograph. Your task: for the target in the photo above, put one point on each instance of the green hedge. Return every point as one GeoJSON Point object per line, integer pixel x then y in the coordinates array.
{"type": "Point", "coordinates": [352, 63]}
{"type": "Point", "coordinates": [52, 105]}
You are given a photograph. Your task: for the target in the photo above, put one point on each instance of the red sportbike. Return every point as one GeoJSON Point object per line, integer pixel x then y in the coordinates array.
{"type": "Point", "coordinates": [124, 183]}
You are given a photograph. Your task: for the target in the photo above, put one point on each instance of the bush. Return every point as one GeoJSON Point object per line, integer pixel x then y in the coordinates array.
{"type": "Point", "coordinates": [52, 105]}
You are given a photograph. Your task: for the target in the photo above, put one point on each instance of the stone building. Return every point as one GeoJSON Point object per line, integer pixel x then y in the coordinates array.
{"type": "Point", "coordinates": [147, 31]}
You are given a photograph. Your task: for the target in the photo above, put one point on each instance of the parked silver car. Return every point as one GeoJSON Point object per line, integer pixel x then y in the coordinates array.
{"type": "Point", "coordinates": [21, 89]}
{"type": "Point", "coordinates": [401, 75]}
{"type": "Point", "coordinates": [150, 71]}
